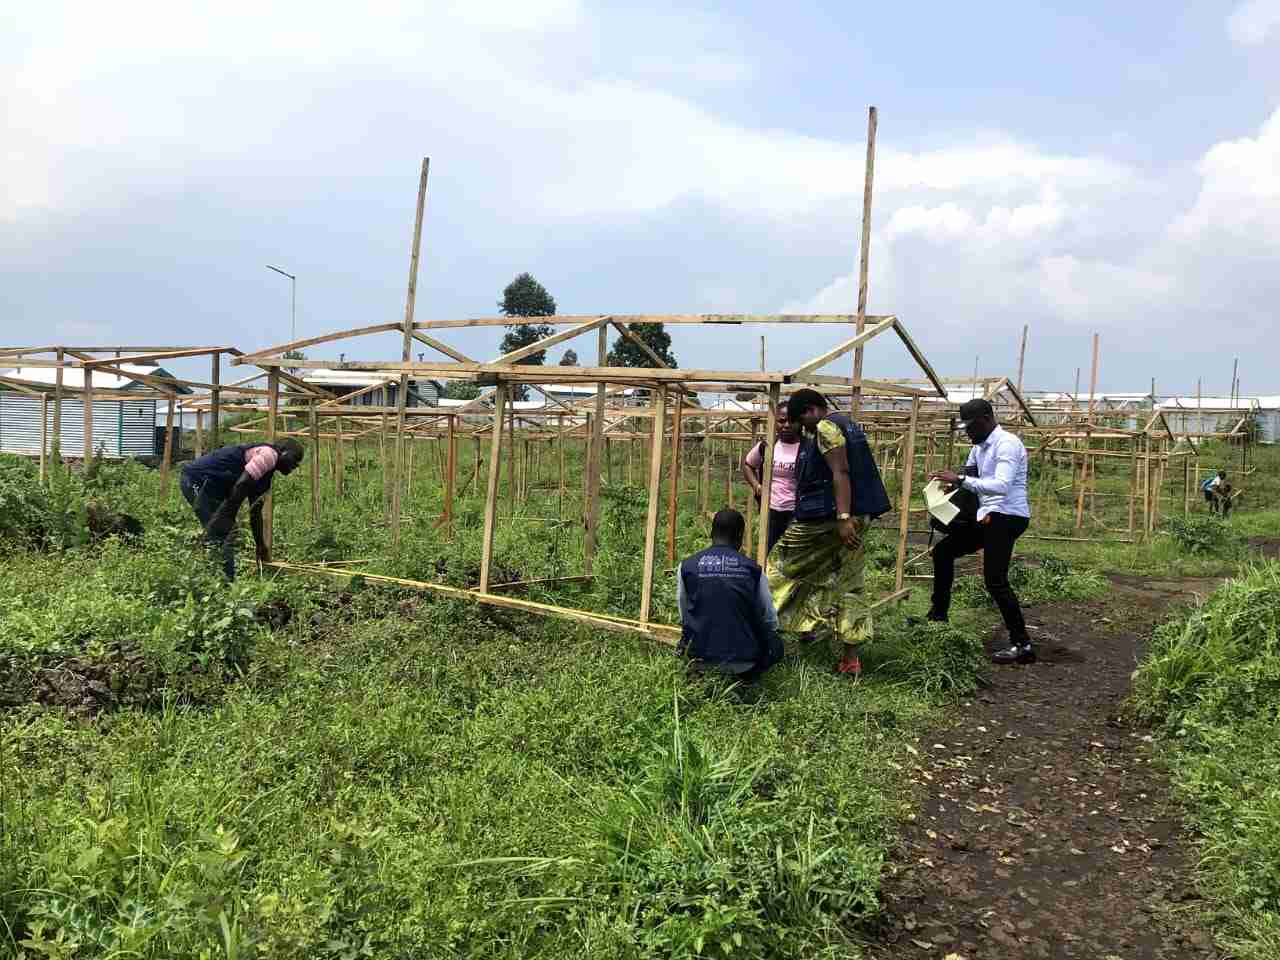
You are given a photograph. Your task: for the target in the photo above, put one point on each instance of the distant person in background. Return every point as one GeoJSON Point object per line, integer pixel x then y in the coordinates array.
{"type": "Point", "coordinates": [782, 492]}
{"type": "Point", "coordinates": [728, 624]}
{"type": "Point", "coordinates": [1212, 489]}
{"type": "Point", "coordinates": [998, 462]}
{"type": "Point", "coordinates": [816, 570]}
{"type": "Point", "coordinates": [219, 482]}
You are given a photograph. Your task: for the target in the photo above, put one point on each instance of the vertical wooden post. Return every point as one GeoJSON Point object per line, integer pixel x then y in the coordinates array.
{"type": "Point", "coordinates": [1133, 481]}
{"type": "Point", "coordinates": [706, 465]}
{"type": "Point", "coordinates": [904, 503]}
{"type": "Point", "coordinates": [560, 452]}
{"type": "Point", "coordinates": [199, 433]}
{"type": "Point", "coordinates": [855, 391]}
{"type": "Point", "coordinates": [511, 457]}
{"type": "Point", "coordinates": [44, 438]}
{"type": "Point", "coordinates": [273, 407]}
{"type": "Point", "coordinates": [655, 492]}
{"type": "Point", "coordinates": [314, 456]}
{"type": "Point", "coordinates": [339, 463]}
{"type": "Point", "coordinates": [766, 475]}
{"type": "Point", "coordinates": [450, 472]}
{"type": "Point", "coordinates": [736, 467]}
{"type": "Point", "coordinates": [88, 414]}
{"type": "Point", "coordinates": [491, 491]}
{"type": "Point", "coordinates": [593, 457]}
{"type": "Point", "coordinates": [215, 401]}
{"type": "Point", "coordinates": [475, 464]}
{"type": "Point", "coordinates": [673, 494]}
{"type": "Point", "coordinates": [382, 458]}
{"type": "Point", "coordinates": [167, 458]}
{"type": "Point", "coordinates": [402, 393]}
{"type": "Point", "coordinates": [1022, 355]}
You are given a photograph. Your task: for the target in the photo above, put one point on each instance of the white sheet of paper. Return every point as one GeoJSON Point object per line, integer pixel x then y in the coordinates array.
{"type": "Point", "coordinates": [939, 502]}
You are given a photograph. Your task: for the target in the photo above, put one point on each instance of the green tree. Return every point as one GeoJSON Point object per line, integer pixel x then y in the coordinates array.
{"type": "Point", "coordinates": [293, 355]}
{"type": "Point", "coordinates": [570, 358]}
{"type": "Point", "coordinates": [461, 390]}
{"type": "Point", "coordinates": [626, 353]}
{"type": "Point", "coordinates": [526, 297]}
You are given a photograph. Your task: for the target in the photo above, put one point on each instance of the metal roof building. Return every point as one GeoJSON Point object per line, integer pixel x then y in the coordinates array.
{"type": "Point", "coordinates": [121, 428]}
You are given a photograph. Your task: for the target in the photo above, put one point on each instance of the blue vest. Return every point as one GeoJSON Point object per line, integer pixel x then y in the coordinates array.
{"type": "Point", "coordinates": [815, 491]}
{"type": "Point", "coordinates": [218, 471]}
{"type": "Point", "coordinates": [723, 621]}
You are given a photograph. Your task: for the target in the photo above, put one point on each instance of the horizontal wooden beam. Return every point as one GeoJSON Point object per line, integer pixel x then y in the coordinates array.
{"type": "Point", "coordinates": [162, 355]}
{"type": "Point", "coordinates": [732, 319]}
{"type": "Point", "coordinates": [312, 341]}
{"type": "Point", "coordinates": [531, 374]}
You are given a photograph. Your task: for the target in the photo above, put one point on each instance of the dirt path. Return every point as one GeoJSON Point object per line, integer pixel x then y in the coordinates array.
{"type": "Point", "coordinates": [1045, 829]}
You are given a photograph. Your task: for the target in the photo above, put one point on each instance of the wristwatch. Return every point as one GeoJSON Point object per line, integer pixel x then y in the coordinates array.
{"type": "Point", "coordinates": [843, 516]}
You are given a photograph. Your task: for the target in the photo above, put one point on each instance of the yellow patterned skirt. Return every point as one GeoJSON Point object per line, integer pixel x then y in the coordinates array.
{"type": "Point", "coordinates": [817, 582]}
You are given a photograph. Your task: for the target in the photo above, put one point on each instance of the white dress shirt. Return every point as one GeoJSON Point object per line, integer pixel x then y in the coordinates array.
{"type": "Point", "coordinates": [1001, 483]}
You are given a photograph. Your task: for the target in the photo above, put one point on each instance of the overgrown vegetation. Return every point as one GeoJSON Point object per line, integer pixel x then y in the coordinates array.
{"type": "Point", "coordinates": [1212, 683]}
{"type": "Point", "coordinates": [391, 773]}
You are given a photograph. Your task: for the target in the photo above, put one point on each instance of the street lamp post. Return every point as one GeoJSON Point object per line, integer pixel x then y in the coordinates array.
{"type": "Point", "coordinates": [293, 300]}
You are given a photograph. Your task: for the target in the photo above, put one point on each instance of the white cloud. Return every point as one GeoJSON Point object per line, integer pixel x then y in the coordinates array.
{"type": "Point", "coordinates": [1252, 21]}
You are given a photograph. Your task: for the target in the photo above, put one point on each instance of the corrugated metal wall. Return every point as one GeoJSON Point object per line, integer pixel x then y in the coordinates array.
{"type": "Point", "coordinates": [121, 428]}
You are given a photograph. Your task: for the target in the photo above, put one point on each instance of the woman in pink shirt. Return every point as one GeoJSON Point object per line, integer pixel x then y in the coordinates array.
{"type": "Point", "coordinates": [782, 494]}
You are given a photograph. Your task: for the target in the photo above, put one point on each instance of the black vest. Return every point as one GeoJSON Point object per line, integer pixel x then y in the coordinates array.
{"type": "Point", "coordinates": [815, 492]}
{"type": "Point", "coordinates": [218, 471]}
{"type": "Point", "coordinates": [723, 622]}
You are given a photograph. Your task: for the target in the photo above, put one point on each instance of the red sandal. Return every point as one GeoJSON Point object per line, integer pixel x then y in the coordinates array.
{"type": "Point", "coordinates": [850, 667]}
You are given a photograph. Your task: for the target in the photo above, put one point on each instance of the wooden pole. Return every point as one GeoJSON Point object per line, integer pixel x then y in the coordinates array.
{"type": "Point", "coordinates": [491, 492]}
{"type": "Point", "coordinates": [904, 502]}
{"type": "Point", "coordinates": [511, 460]}
{"type": "Point", "coordinates": [1022, 355]}
{"type": "Point", "coordinates": [44, 438]}
{"type": "Point", "coordinates": [450, 472]}
{"type": "Point", "coordinates": [705, 492]}
{"type": "Point", "coordinates": [673, 494]}
{"type": "Point", "coordinates": [273, 406]}
{"type": "Point", "coordinates": [560, 451]}
{"type": "Point", "coordinates": [339, 462]}
{"type": "Point", "coordinates": [199, 433]}
{"type": "Point", "coordinates": [57, 409]}
{"type": "Point", "coordinates": [655, 493]}
{"type": "Point", "coordinates": [593, 458]}
{"type": "Point", "coordinates": [314, 454]}
{"type": "Point", "coordinates": [167, 457]}
{"type": "Point", "coordinates": [864, 260]}
{"type": "Point", "coordinates": [766, 476]}
{"type": "Point", "coordinates": [215, 401]}
{"type": "Point", "coordinates": [88, 414]}
{"type": "Point", "coordinates": [402, 393]}
{"type": "Point", "coordinates": [1133, 482]}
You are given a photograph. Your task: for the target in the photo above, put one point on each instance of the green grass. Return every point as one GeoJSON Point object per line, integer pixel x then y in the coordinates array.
{"type": "Point", "coordinates": [1212, 682]}
{"type": "Point", "coordinates": [395, 774]}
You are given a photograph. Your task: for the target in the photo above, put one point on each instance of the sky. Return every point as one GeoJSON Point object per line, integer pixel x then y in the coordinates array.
{"type": "Point", "coordinates": [1078, 168]}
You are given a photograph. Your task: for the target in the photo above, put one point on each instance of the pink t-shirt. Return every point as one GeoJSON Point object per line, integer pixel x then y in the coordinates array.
{"type": "Point", "coordinates": [259, 461]}
{"type": "Point", "coordinates": [782, 495]}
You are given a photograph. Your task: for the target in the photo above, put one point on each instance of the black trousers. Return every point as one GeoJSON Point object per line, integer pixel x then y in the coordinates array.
{"type": "Point", "coordinates": [995, 538]}
{"type": "Point", "coordinates": [779, 520]}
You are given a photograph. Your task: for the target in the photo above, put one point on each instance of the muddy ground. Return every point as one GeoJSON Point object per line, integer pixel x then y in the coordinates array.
{"type": "Point", "coordinates": [1046, 828]}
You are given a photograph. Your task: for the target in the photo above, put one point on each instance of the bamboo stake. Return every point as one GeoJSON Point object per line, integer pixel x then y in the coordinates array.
{"type": "Point", "coordinates": [766, 477]}
{"type": "Point", "coordinates": [904, 504]}
{"type": "Point", "coordinates": [215, 401]}
{"type": "Point", "coordinates": [673, 495]}
{"type": "Point", "coordinates": [268, 504]}
{"type": "Point", "coordinates": [491, 493]}
{"type": "Point", "coordinates": [88, 415]}
{"type": "Point", "coordinates": [167, 458]}
{"type": "Point", "coordinates": [655, 490]}
{"type": "Point", "coordinates": [864, 260]}
{"type": "Point", "coordinates": [315, 464]}
{"type": "Point", "coordinates": [44, 438]}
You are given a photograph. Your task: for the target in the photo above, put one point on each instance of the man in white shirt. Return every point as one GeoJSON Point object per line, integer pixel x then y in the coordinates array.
{"type": "Point", "coordinates": [996, 472]}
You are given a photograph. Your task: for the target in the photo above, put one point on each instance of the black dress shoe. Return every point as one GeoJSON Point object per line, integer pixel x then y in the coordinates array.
{"type": "Point", "coordinates": [1015, 653]}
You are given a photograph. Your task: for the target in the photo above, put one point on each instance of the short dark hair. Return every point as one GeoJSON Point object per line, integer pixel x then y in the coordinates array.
{"type": "Point", "coordinates": [802, 400]}
{"type": "Point", "coordinates": [728, 525]}
{"type": "Point", "coordinates": [290, 446]}
{"type": "Point", "coordinates": [974, 409]}
{"type": "Point", "coordinates": [1222, 473]}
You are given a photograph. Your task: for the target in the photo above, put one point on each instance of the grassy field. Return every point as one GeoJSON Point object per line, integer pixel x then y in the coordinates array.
{"type": "Point", "coordinates": [394, 774]}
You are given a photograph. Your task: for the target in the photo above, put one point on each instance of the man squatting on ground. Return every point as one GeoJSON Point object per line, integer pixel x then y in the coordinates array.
{"type": "Point", "coordinates": [782, 492]}
{"type": "Point", "coordinates": [1217, 493]}
{"type": "Point", "coordinates": [1004, 513]}
{"type": "Point", "coordinates": [816, 569]}
{"type": "Point", "coordinates": [726, 613]}
{"type": "Point", "coordinates": [216, 484]}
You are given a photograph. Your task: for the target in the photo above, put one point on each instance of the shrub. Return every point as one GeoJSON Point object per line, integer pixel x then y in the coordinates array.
{"type": "Point", "coordinates": [1050, 580]}
{"type": "Point", "coordinates": [939, 659]}
{"type": "Point", "coordinates": [1203, 535]}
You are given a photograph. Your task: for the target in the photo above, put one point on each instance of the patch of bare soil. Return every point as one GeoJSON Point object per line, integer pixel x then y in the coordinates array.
{"type": "Point", "coordinates": [1046, 829]}
{"type": "Point", "coordinates": [1268, 547]}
